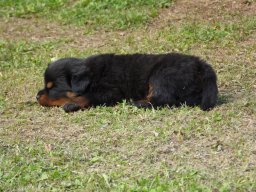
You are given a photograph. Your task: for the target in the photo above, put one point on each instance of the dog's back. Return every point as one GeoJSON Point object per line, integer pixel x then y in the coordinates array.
{"type": "Point", "coordinates": [178, 78]}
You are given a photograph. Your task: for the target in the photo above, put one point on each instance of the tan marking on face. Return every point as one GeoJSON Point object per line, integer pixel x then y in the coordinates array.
{"type": "Point", "coordinates": [58, 102]}
{"type": "Point", "coordinates": [49, 85]}
{"type": "Point", "coordinates": [82, 101]}
{"type": "Point", "coordinates": [44, 100]}
{"type": "Point", "coordinates": [70, 94]}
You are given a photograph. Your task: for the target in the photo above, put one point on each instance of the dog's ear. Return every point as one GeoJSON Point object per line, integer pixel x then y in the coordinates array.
{"type": "Point", "coordinates": [80, 80]}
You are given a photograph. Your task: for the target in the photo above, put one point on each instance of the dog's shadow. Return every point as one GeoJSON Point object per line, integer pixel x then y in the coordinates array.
{"type": "Point", "coordinates": [224, 98]}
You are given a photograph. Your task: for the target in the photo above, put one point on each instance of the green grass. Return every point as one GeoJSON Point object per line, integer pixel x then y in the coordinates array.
{"type": "Point", "coordinates": [197, 33]}
{"type": "Point", "coordinates": [123, 148]}
{"type": "Point", "coordinates": [105, 14]}
{"type": "Point", "coordinates": [62, 169]}
{"type": "Point", "coordinates": [21, 8]}
{"type": "Point", "coordinates": [97, 154]}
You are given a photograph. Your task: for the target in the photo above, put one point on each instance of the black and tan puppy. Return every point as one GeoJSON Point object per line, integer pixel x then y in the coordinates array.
{"type": "Point", "coordinates": [147, 80]}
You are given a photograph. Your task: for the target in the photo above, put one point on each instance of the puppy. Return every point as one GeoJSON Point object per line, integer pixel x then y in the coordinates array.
{"type": "Point", "coordinates": [147, 80]}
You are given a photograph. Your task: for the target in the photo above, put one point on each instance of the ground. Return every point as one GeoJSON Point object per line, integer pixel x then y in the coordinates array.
{"type": "Point", "coordinates": [123, 148]}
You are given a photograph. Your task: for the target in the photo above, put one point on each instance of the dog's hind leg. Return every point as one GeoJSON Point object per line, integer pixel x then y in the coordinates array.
{"type": "Point", "coordinates": [159, 95]}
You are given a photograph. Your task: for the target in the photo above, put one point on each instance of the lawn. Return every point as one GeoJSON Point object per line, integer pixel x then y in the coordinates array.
{"type": "Point", "coordinates": [124, 148]}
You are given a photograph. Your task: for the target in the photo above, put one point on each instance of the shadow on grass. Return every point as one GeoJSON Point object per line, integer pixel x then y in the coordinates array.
{"type": "Point", "coordinates": [224, 98]}
{"type": "Point", "coordinates": [30, 103]}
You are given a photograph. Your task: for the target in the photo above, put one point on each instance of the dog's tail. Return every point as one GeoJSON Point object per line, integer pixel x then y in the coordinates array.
{"type": "Point", "coordinates": [210, 89]}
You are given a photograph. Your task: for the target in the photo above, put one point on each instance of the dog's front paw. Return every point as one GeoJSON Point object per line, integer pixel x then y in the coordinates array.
{"type": "Point", "coordinates": [71, 107]}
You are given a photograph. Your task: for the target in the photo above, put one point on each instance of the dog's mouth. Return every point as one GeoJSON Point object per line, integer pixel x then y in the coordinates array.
{"type": "Point", "coordinates": [70, 97]}
{"type": "Point", "coordinates": [45, 100]}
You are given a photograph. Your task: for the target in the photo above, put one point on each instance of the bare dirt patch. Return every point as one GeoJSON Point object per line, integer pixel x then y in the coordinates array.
{"type": "Point", "coordinates": [204, 10]}
{"type": "Point", "coordinates": [38, 30]}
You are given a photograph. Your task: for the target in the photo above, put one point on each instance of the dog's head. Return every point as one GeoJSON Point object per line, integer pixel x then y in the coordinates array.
{"type": "Point", "coordinates": [65, 81]}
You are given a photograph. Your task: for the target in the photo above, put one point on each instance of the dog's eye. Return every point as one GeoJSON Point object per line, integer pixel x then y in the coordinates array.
{"type": "Point", "coordinates": [49, 85]}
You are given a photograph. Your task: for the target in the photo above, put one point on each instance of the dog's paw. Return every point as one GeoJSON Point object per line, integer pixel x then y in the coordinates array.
{"type": "Point", "coordinates": [71, 107]}
{"type": "Point", "coordinates": [142, 104]}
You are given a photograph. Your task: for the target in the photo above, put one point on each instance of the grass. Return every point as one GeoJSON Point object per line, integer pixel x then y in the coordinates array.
{"type": "Point", "coordinates": [106, 14]}
{"type": "Point", "coordinates": [123, 148]}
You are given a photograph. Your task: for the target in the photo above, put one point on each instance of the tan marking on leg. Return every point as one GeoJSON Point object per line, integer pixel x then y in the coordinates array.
{"type": "Point", "coordinates": [148, 97]}
{"type": "Point", "coordinates": [150, 93]}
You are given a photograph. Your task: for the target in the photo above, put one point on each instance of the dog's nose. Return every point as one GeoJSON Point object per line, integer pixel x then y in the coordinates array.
{"type": "Point", "coordinates": [37, 97]}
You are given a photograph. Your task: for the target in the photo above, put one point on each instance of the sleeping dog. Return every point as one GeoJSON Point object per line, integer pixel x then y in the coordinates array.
{"type": "Point", "coordinates": [147, 80]}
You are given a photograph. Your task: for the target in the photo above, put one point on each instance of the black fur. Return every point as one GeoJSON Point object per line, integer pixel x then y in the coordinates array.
{"type": "Point", "coordinates": [158, 80]}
